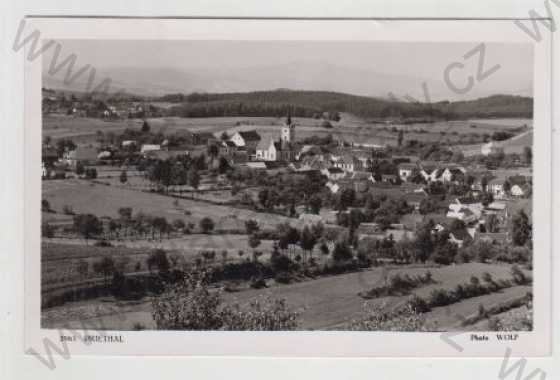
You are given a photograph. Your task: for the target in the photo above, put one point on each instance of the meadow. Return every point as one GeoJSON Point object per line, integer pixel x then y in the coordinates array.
{"type": "Point", "coordinates": [351, 128]}
{"type": "Point", "coordinates": [328, 303]}
{"type": "Point", "coordinates": [104, 200]}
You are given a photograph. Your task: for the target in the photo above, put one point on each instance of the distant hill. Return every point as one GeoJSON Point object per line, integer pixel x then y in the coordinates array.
{"type": "Point", "coordinates": [320, 103]}
{"type": "Point", "coordinates": [301, 75]}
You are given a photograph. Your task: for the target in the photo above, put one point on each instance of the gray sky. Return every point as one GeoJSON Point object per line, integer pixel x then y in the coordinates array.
{"type": "Point", "coordinates": [413, 61]}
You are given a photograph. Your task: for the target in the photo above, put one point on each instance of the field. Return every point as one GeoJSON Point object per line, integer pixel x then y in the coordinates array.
{"type": "Point", "coordinates": [516, 144]}
{"type": "Point", "coordinates": [101, 200]}
{"type": "Point", "coordinates": [328, 303]}
{"type": "Point", "coordinates": [350, 127]}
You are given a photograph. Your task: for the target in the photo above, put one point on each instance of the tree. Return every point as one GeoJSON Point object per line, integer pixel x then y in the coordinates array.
{"type": "Point", "coordinates": [158, 259]}
{"type": "Point", "coordinates": [123, 177]}
{"type": "Point", "coordinates": [206, 225]}
{"type": "Point", "coordinates": [161, 225]}
{"type": "Point", "coordinates": [492, 223]}
{"type": "Point", "coordinates": [213, 152]}
{"type": "Point", "coordinates": [105, 266]}
{"type": "Point", "coordinates": [193, 178]}
{"type": "Point", "coordinates": [254, 242]}
{"type": "Point", "coordinates": [87, 225]}
{"type": "Point", "coordinates": [80, 169]}
{"type": "Point", "coordinates": [91, 173]}
{"type": "Point", "coordinates": [424, 243]}
{"type": "Point", "coordinates": [506, 186]}
{"type": "Point", "coordinates": [45, 205]}
{"type": "Point", "coordinates": [251, 226]}
{"type": "Point", "coordinates": [145, 127]}
{"type": "Point", "coordinates": [400, 137]}
{"type": "Point", "coordinates": [179, 225]}
{"type": "Point", "coordinates": [315, 203]}
{"type": "Point", "coordinates": [47, 230]}
{"type": "Point", "coordinates": [82, 268]}
{"type": "Point", "coordinates": [264, 197]}
{"type": "Point", "coordinates": [346, 199]}
{"type": "Point", "coordinates": [223, 165]}
{"type": "Point", "coordinates": [324, 248]}
{"type": "Point", "coordinates": [307, 240]}
{"type": "Point", "coordinates": [342, 252]}
{"type": "Point", "coordinates": [125, 215]}
{"type": "Point", "coordinates": [528, 155]}
{"type": "Point", "coordinates": [521, 228]}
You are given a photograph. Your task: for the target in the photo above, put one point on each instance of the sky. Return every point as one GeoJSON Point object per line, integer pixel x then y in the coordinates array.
{"type": "Point", "coordinates": [414, 62]}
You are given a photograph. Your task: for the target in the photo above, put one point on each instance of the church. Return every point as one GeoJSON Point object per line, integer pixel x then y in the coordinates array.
{"type": "Point", "coordinates": [284, 149]}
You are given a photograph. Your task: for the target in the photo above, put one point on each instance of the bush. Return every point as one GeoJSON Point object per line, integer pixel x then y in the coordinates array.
{"type": "Point", "coordinates": [281, 263]}
{"type": "Point", "coordinates": [103, 243]}
{"type": "Point", "coordinates": [482, 313]}
{"type": "Point", "coordinates": [67, 210]}
{"type": "Point", "coordinates": [47, 230]}
{"type": "Point", "coordinates": [45, 205]}
{"type": "Point", "coordinates": [258, 283]}
{"type": "Point", "coordinates": [206, 225]}
{"type": "Point", "coordinates": [190, 305]}
{"type": "Point", "coordinates": [399, 285]}
{"type": "Point", "coordinates": [418, 304]}
{"type": "Point", "coordinates": [519, 277]}
{"type": "Point", "coordinates": [283, 278]}
{"type": "Point", "coordinates": [261, 314]}
{"type": "Point", "coordinates": [495, 324]}
{"type": "Point", "coordinates": [376, 318]}
{"type": "Point", "coordinates": [440, 297]}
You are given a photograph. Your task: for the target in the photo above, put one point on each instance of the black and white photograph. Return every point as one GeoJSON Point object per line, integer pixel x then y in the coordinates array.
{"type": "Point", "coordinates": [288, 185]}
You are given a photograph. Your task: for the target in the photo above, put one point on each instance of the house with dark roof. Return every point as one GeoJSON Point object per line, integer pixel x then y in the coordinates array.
{"type": "Point", "coordinates": [247, 139]}
{"type": "Point", "coordinates": [49, 155]}
{"type": "Point", "coordinates": [333, 174]}
{"type": "Point", "coordinates": [414, 199]}
{"type": "Point", "coordinates": [462, 236]}
{"type": "Point", "coordinates": [348, 163]}
{"type": "Point", "coordinates": [83, 155]}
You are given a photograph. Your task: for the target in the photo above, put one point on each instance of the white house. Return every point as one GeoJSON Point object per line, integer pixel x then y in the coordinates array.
{"type": "Point", "coordinates": [468, 213]}
{"type": "Point", "coordinates": [517, 191]}
{"type": "Point", "coordinates": [491, 148]}
{"type": "Point", "coordinates": [267, 150]}
{"type": "Point", "coordinates": [333, 187]}
{"type": "Point", "coordinates": [149, 148]}
{"type": "Point", "coordinates": [430, 172]}
{"type": "Point", "coordinates": [496, 187]}
{"type": "Point", "coordinates": [128, 143]}
{"type": "Point", "coordinates": [406, 170]}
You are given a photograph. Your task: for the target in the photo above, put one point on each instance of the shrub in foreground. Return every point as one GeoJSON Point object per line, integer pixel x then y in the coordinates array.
{"type": "Point", "coordinates": [192, 305]}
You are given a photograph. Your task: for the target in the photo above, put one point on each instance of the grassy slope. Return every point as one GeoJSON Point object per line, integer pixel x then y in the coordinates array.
{"type": "Point", "coordinates": [85, 197]}
{"type": "Point", "coordinates": [331, 302]}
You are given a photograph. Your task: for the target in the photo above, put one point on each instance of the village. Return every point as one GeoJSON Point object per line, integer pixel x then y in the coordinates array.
{"type": "Point", "coordinates": [321, 202]}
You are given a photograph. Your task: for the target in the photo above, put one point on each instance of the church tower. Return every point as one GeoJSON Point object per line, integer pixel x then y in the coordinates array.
{"type": "Point", "coordinates": [288, 134]}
